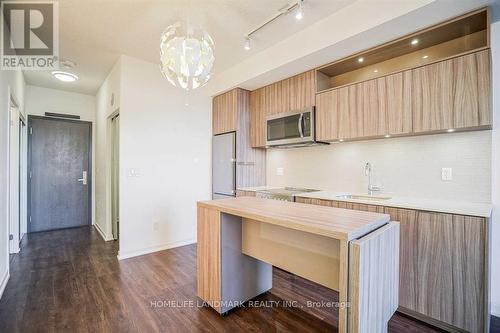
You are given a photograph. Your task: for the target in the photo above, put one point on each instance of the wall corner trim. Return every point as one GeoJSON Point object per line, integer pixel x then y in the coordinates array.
{"type": "Point", "coordinates": [3, 284]}
{"type": "Point", "coordinates": [139, 252]}
{"type": "Point", "coordinates": [103, 235]}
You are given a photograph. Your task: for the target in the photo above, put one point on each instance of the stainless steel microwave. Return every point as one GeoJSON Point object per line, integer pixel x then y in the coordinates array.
{"type": "Point", "coordinates": [295, 128]}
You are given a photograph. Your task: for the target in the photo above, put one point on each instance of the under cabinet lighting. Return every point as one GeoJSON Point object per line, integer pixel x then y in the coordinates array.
{"type": "Point", "coordinates": [387, 136]}
{"type": "Point", "coordinates": [361, 59]}
{"type": "Point", "coordinates": [341, 140]}
{"type": "Point", "coordinates": [414, 41]}
{"type": "Point", "coordinates": [451, 130]}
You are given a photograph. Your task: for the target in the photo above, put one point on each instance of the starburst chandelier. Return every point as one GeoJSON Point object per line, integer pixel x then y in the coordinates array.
{"type": "Point", "coordinates": [186, 56]}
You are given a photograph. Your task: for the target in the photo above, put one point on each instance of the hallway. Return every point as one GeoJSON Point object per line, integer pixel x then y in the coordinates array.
{"type": "Point", "coordinates": [70, 280]}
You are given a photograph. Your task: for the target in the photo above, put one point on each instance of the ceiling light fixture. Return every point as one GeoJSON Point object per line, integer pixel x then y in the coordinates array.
{"type": "Point", "coordinates": [414, 41]}
{"type": "Point", "coordinates": [186, 56]}
{"type": "Point", "coordinates": [247, 43]}
{"type": "Point", "coordinates": [296, 6]}
{"type": "Point", "coordinates": [299, 14]}
{"type": "Point", "coordinates": [65, 76]}
{"type": "Point", "coordinates": [361, 59]}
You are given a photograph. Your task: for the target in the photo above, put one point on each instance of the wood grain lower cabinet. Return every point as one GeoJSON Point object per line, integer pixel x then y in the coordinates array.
{"type": "Point", "coordinates": [407, 255]}
{"type": "Point", "coordinates": [240, 193]}
{"type": "Point", "coordinates": [208, 258]}
{"type": "Point", "coordinates": [443, 265]}
{"type": "Point", "coordinates": [451, 269]}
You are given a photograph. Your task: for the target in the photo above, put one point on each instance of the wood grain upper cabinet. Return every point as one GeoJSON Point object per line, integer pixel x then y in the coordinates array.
{"type": "Point", "coordinates": [257, 118]}
{"type": "Point", "coordinates": [327, 115]}
{"type": "Point", "coordinates": [452, 94]}
{"type": "Point", "coordinates": [224, 112]}
{"type": "Point", "coordinates": [471, 100]}
{"type": "Point", "coordinates": [399, 113]}
{"type": "Point", "coordinates": [295, 93]}
{"type": "Point", "coordinates": [302, 91]}
{"type": "Point", "coordinates": [432, 97]}
{"type": "Point", "coordinates": [372, 101]}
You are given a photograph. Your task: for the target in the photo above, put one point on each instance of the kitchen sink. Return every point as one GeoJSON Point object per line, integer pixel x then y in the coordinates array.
{"type": "Point", "coordinates": [362, 197]}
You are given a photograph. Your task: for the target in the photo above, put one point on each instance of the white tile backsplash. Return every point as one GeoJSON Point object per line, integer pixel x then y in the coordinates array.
{"type": "Point", "coordinates": [408, 166]}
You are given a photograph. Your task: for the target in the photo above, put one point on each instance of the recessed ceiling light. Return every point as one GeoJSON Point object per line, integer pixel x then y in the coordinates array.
{"type": "Point", "coordinates": [247, 44]}
{"type": "Point", "coordinates": [414, 41]}
{"type": "Point", "coordinates": [65, 76]}
{"type": "Point", "coordinates": [451, 130]}
{"type": "Point", "coordinates": [425, 57]}
{"type": "Point", "coordinates": [361, 59]}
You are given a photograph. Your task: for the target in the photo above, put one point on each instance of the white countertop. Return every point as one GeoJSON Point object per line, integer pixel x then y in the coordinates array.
{"type": "Point", "coordinates": [433, 205]}
{"type": "Point", "coordinates": [258, 188]}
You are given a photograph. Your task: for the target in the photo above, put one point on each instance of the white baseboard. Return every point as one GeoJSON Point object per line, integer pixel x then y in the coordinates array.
{"type": "Point", "coordinates": [106, 239]}
{"type": "Point", "coordinates": [129, 254]}
{"type": "Point", "coordinates": [3, 284]}
{"type": "Point", "coordinates": [495, 309]}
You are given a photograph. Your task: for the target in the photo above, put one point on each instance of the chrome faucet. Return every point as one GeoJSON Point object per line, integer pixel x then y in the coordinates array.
{"type": "Point", "coordinates": [369, 173]}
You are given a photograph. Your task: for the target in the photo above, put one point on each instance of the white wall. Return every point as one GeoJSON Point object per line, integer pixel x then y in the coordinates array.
{"type": "Point", "coordinates": [11, 83]}
{"type": "Point", "coordinates": [495, 269]}
{"type": "Point", "coordinates": [40, 100]}
{"type": "Point", "coordinates": [409, 167]}
{"type": "Point", "coordinates": [109, 90]}
{"type": "Point", "coordinates": [169, 145]}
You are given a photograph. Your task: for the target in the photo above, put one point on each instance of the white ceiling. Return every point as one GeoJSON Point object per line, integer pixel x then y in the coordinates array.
{"type": "Point", "coordinates": [94, 33]}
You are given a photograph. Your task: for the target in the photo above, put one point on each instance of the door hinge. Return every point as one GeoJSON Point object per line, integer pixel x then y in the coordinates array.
{"type": "Point", "coordinates": [11, 237]}
{"type": "Point", "coordinates": [31, 130]}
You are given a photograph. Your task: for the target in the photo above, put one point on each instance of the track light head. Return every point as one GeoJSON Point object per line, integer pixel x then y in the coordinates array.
{"type": "Point", "coordinates": [299, 14]}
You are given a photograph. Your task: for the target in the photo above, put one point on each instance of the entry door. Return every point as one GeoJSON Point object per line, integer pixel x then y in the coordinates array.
{"type": "Point", "coordinates": [60, 179]}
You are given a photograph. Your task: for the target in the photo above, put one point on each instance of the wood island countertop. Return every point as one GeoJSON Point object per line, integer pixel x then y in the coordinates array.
{"type": "Point", "coordinates": [338, 223]}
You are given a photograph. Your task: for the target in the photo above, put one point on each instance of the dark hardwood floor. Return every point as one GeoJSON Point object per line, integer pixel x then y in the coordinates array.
{"type": "Point", "coordinates": [70, 280]}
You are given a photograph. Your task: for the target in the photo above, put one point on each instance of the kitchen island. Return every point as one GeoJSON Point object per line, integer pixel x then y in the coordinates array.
{"type": "Point", "coordinates": [355, 253]}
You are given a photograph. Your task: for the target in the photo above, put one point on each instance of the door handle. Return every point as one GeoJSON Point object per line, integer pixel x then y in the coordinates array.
{"type": "Point", "coordinates": [301, 130]}
{"type": "Point", "coordinates": [84, 178]}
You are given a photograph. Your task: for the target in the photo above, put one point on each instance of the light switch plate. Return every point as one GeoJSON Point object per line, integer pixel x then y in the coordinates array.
{"type": "Point", "coordinates": [279, 172]}
{"type": "Point", "coordinates": [446, 174]}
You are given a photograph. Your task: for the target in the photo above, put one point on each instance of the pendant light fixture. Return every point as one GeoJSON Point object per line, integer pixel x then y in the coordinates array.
{"type": "Point", "coordinates": [186, 56]}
